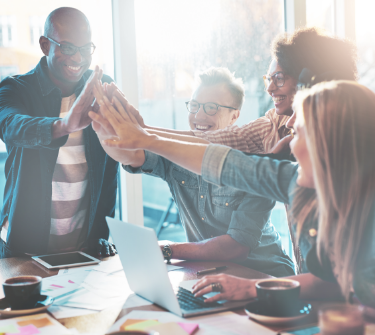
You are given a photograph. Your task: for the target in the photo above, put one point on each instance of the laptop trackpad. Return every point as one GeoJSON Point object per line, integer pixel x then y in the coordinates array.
{"type": "Point", "coordinates": [188, 285]}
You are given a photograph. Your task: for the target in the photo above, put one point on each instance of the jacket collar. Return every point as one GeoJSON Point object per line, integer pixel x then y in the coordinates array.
{"type": "Point", "coordinates": [46, 84]}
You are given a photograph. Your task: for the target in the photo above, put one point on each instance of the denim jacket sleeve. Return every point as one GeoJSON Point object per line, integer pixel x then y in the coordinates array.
{"type": "Point", "coordinates": [19, 129]}
{"type": "Point", "coordinates": [154, 165]}
{"type": "Point", "coordinates": [107, 200]}
{"type": "Point", "coordinates": [249, 219]}
{"type": "Point", "coordinates": [261, 176]}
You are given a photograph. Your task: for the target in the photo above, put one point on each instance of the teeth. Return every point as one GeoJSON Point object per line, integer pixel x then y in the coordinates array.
{"type": "Point", "coordinates": [201, 127]}
{"type": "Point", "coordinates": [74, 68]}
{"type": "Point", "coordinates": [278, 99]}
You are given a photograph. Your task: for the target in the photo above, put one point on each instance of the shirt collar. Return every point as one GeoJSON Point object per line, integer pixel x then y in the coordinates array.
{"type": "Point", "coordinates": [45, 83]}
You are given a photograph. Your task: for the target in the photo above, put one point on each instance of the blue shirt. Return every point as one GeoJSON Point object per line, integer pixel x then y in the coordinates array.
{"type": "Point", "coordinates": [29, 105]}
{"type": "Point", "coordinates": [277, 180]}
{"type": "Point", "coordinates": [208, 211]}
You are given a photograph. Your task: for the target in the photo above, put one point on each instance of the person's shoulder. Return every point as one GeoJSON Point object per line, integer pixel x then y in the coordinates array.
{"type": "Point", "coordinates": [22, 80]}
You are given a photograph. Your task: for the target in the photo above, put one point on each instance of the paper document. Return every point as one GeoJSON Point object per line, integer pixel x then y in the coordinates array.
{"type": "Point", "coordinates": [165, 317]}
{"type": "Point", "coordinates": [41, 324]}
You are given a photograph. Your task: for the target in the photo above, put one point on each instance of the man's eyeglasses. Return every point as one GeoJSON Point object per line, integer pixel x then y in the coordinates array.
{"type": "Point", "coordinates": [278, 79]}
{"type": "Point", "coordinates": [70, 49]}
{"type": "Point", "coordinates": [210, 108]}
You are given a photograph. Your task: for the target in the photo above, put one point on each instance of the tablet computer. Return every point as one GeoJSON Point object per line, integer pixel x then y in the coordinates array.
{"type": "Point", "coordinates": [65, 260]}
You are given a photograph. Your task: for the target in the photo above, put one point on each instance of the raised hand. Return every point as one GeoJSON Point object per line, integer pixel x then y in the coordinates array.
{"type": "Point", "coordinates": [130, 135]}
{"type": "Point", "coordinates": [77, 117]}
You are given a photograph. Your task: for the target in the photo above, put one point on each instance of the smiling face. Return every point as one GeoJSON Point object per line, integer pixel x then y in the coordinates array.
{"type": "Point", "coordinates": [65, 70]}
{"type": "Point", "coordinates": [300, 151]}
{"type": "Point", "coordinates": [282, 96]}
{"type": "Point", "coordinates": [220, 95]}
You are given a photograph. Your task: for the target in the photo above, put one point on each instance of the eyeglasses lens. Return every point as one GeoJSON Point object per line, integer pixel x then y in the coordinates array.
{"type": "Point", "coordinates": [279, 80]}
{"type": "Point", "coordinates": [210, 109]}
{"type": "Point", "coordinates": [71, 50]}
{"type": "Point", "coordinates": [192, 106]}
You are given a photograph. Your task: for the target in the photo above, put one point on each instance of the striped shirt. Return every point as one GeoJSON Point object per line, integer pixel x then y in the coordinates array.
{"type": "Point", "coordinates": [258, 136]}
{"type": "Point", "coordinates": [70, 196]}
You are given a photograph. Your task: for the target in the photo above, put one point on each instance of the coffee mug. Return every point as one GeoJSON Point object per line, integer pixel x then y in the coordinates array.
{"type": "Point", "coordinates": [278, 296]}
{"type": "Point", "coordinates": [22, 292]}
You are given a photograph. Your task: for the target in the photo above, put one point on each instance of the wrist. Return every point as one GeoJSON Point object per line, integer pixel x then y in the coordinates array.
{"type": "Point", "coordinates": [149, 141]}
{"type": "Point", "coordinates": [59, 129]}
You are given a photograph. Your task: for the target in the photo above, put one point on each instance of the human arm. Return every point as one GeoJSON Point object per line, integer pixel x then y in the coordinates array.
{"type": "Point", "coordinates": [221, 248]}
{"type": "Point", "coordinates": [21, 122]}
{"type": "Point", "coordinates": [235, 288]}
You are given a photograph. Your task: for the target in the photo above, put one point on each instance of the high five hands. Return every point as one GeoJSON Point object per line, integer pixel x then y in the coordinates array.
{"type": "Point", "coordinates": [117, 123]}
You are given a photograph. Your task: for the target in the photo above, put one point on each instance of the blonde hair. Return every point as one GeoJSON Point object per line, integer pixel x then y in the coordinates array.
{"type": "Point", "coordinates": [221, 75]}
{"type": "Point", "coordinates": [339, 119]}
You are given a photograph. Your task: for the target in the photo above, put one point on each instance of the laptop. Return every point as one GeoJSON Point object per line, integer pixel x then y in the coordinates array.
{"type": "Point", "coordinates": [147, 274]}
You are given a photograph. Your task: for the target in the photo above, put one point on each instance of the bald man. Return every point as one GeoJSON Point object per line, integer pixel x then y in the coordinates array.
{"type": "Point", "coordinates": [60, 184]}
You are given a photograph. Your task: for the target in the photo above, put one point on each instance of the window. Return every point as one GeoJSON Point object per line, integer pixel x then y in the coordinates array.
{"type": "Point", "coordinates": [177, 39]}
{"type": "Point", "coordinates": [36, 29]}
{"type": "Point", "coordinates": [319, 13]}
{"type": "Point", "coordinates": [365, 36]}
{"type": "Point", "coordinates": [7, 30]}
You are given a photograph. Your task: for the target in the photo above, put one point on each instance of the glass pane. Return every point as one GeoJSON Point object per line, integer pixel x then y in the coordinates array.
{"type": "Point", "coordinates": [319, 13]}
{"type": "Point", "coordinates": [365, 42]}
{"type": "Point", "coordinates": [178, 38]}
{"type": "Point", "coordinates": [21, 25]}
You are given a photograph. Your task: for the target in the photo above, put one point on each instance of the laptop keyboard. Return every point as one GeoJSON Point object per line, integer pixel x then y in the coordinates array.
{"type": "Point", "coordinates": [188, 302]}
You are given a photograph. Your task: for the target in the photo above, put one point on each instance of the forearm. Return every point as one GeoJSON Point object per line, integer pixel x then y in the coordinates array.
{"type": "Point", "coordinates": [314, 288]}
{"type": "Point", "coordinates": [183, 136]}
{"type": "Point", "coordinates": [188, 155]}
{"type": "Point", "coordinates": [221, 248]}
{"type": "Point", "coordinates": [170, 131]}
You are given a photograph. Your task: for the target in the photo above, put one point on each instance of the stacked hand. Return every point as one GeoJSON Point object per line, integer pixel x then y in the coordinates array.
{"type": "Point", "coordinates": [115, 124]}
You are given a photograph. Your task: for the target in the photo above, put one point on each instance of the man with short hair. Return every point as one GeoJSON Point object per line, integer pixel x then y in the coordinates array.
{"type": "Point", "coordinates": [60, 184]}
{"type": "Point", "coordinates": [221, 223]}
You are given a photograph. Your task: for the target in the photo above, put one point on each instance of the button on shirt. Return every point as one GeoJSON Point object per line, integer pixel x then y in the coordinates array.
{"type": "Point", "coordinates": [207, 210]}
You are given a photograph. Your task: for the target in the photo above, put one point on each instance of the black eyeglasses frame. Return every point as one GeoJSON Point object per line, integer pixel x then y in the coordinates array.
{"type": "Point", "coordinates": [204, 107]}
{"type": "Point", "coordinates": [75, 47]}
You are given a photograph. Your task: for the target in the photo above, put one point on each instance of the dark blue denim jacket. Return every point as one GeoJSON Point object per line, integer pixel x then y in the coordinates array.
{"type": "Point", "coordinates": [29, 104]}
{"type": "Point", "coordinates": [208, 211]}
{"type": "Point", "coordinates": [277, 180]}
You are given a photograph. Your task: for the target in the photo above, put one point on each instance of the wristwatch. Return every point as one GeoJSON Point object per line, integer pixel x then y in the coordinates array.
{"type": "Point", "coordinates": [167, 252]}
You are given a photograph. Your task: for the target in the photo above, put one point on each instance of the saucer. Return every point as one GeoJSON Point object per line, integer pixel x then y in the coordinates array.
{"type": "Point", "coordinates": [40, 304]}
{"type": "Point", "coordinates": [253, 309]}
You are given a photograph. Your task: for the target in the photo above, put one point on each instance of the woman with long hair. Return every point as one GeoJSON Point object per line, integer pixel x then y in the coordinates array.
{"type": "Point", "coordinates": [333, 146]}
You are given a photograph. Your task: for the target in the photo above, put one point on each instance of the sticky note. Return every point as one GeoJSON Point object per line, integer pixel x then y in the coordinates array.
{"type": "Point", "coordinates": [8, 329]}
{"type": "Point", "coordinates": [190, 328]}
{"type": "Point", "coordinates": [27, 330]}
{"type": "Point", "coordinates": [71, 281]}
{"type": "Point", "coordinates": [142, 325]}
{"type": "Point", "coordinates": [39, 323]}
{"type": "Point", "coordinates": [130, 322]}
{"type": "Point", "coordinates": [169, 328]}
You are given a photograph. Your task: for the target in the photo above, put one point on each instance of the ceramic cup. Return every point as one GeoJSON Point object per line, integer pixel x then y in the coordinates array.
{"type": "Point", "coordinates": [20, 291]}
{"type": "Point", "coordinates": [277, 296]}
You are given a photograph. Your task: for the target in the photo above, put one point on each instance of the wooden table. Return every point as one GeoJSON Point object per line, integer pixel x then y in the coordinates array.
{"type": "Point", "coordinates": [100, 322]}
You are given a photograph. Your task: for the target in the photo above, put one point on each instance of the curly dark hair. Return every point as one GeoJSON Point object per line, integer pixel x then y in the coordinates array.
{"type": "Point", "coordinates": [313, 49]}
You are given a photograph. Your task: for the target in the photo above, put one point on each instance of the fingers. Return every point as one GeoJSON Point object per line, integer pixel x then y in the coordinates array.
{"type": "Point", "coordinates": [99, 121]}
{"type": "Point", "coordinates": [216, 297]}
{"type": "Point", "coordinates": [113, 111]}
{"type": "Point", "coordinates": [127, 116]}
{"type": "Point", "coordinates": [207, 280]}
{"type": "Point", "coordinates": [105, 248]}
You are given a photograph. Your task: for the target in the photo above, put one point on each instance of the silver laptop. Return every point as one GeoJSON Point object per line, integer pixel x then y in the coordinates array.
{"type": "Point", "coordinates": [147, 274]}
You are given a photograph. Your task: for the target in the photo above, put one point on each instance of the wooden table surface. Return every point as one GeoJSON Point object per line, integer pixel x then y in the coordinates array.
{"type": "Point", "coordinates": [100, 322]}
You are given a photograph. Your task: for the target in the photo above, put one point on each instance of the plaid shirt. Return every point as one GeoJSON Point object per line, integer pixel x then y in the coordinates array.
{"type": "Point", "coordinates": [258, 136]}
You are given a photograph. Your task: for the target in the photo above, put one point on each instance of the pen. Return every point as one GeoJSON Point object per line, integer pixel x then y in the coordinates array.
{"type": "Point", "coordinates": [202, 272]}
